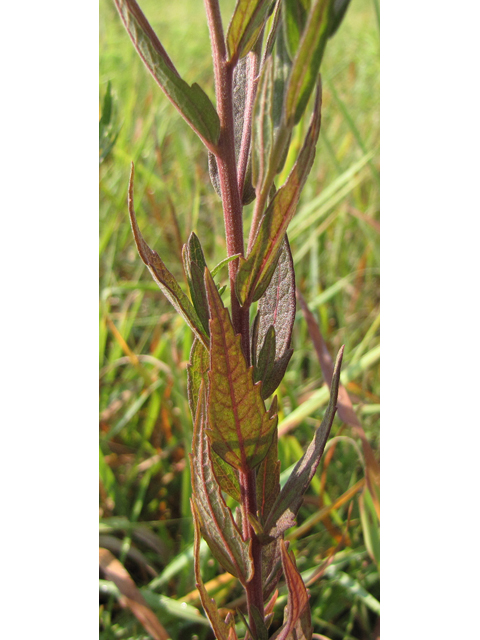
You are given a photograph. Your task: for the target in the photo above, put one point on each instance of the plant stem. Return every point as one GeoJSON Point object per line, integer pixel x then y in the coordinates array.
{"type": "Point", "coordinates": [227, 170]}
{"type": "Point", "coordinates": [232, 211]}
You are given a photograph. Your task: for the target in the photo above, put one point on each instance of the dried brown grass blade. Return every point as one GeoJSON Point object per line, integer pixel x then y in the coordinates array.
{"type": "Point", "coordinates": [344, 404]}
{"type": "Point", "coordinates": [131, 596]}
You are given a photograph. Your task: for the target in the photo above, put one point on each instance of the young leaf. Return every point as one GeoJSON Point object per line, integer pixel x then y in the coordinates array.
{"type": "Point", "coordinates": [162, 275]}
{"type": "Point", "coordinates": [216, 520]}
{"type": "Point", "coordinates": [240, 76]}
{"type": "Point", "coordinates": [196, 372]}
{"type": "Point", "coordinates": [266, 358]}
{"type": "Point", "coordinates": [268, 480]}
{"type": "Point", "coordinates": [338, 12]}
{"type": "Point", "coordinates": [283, 512]}
{"type": "Point", "coordinates": [240, 429]}
{"type": "Point", "coordinates": [191, 101]}
{"type": "Point", "coordinates": [226, 475]}
{"type": "Point", "coordinates": [262, 133]}
{"type": "Point", "coordinates": [295, 16]}
{"type": "Point", "coordinates": [194, 264]}
{"type": "Point", "coordinates": [271, 567]}
{"type": "Point", "coordinates": [298, 625]}
{"type": "Point", "coordinates": [306, 65]}
{"type": "Point", "coordinates": [256, 270]}
{"type": "Point", "coordinates": [245, 26]}
{"type": "Point", "coordinates": [223, 630]}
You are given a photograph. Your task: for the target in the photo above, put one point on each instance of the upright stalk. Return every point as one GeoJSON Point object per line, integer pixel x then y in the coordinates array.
{"type": "Point", "coordinates": [232, 211]}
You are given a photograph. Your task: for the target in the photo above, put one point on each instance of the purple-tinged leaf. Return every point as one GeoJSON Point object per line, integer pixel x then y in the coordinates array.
{"type": "Point", "coordinates": [240, 429]}
{"type": "Point", "coordinates": [276, 309]}
{"type": "Point", "coordinates": [216, 520]}
{"type": "Point", "coordinates": [240, 79]}
{"type": "Point", "coordinates": [194, 265]}
{"type": "Point", "coordinates": [306, 64]}
{"type": "Point", "coordinates": [191, 101]}
{"type": "Point", "coordinates": [271, 567]}
{"type": "Point", "coordinates": [255, 272]}
{"type": "Point", "coordinates": [344, 404]}
{"type": "Point", "coordinates": [283, 513]}
{"type": "Point", "coordinates": [245, 26]}
{"type": "Point", "coordinates": [162, 275]}
{"type": "Point", "coordinates": [223, 630]}
{"type": "Point", "coordinates": [298, 625]}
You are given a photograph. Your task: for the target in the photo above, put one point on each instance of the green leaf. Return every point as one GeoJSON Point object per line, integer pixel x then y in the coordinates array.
{"type": "Point", "coordinates": [224, 262]}
{"type": "Point", "coordinates": [268, 479]}
{"type": "Point", "coordinates": [282, 515]}
{"type": "Point", "coordinates": [216, 520]}
{"type": "Point", "coordinates": [306, 65]}
{"type": "Point", "coordinates": [223, 631]}
{"type": "Point", "coordinates": [256, 270]}
{"type": "Point", "coordinates": [338, 12]}
{"type": "Point", "coordinates": [226, 475]}
{"type": "Point", "coordinates": [295, 14]}
{"type": "Point", "coordinates": [196, 372]}
{"type": "Point", "coordinates": [191, 101]}
{"type": "Point", "coordinates": [194, 264]}
{"type": "Point", "coordinates": [162, 275]}
{"type": "Point", "coordinates": [263, 367]}
{"type": "Point", "coordinates": [247, 21]}
{"type": "Point", "coordinates": [240, 429]}
{"type": "Point", "coordinates": [298, 624]}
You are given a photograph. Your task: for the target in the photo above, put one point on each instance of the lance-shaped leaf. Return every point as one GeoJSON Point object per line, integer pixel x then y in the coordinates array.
{"type": "Point", "coordinates": [216, 520]}
{"type": "Point", "coordinates": [162, 275]}
{"type": "Point", "coordinates": [264, 364]}
{"type": "Point", "coordinates": [191, 101]}
{"type": "Point", "coordinates": [240, 429]}
{"type": "Point", "coordinates": [268, 478]}
{"type": "Point", "coordinates": [276, 309]}
{"type": "Point", "coordinates": [298, 625]}
{"type": "Point", "coordinates": [283, 513]}
{"type": "Point", "coordinates": [256, 270]}
{"type": "Point", "coordinates": [338, 12]}
{"type": "Point", "coordinates": [197, 370]}
{"type": "Point", "coordinates": [306, 65]}
{"type": "Point", "coordinates": [262, 133]}
{"type": "Point", "coordinates": [295, 14]}
{"type": "Point", "coordinates": [240, 78]}
{"type": "Point", "coordinates": [223, 630]}
{"type": "Point", "coordinates": [194, 264]}
{"type": "Point", "coordinates": [247, 21]}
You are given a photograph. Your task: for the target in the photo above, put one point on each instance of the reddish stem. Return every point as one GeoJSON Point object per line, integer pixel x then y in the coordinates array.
{"type": "Point", "coordinates": [232, 211]}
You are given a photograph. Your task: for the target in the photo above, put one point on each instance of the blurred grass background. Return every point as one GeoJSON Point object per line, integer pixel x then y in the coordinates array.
{"type": "Point", "coordinates": [145, 426]}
